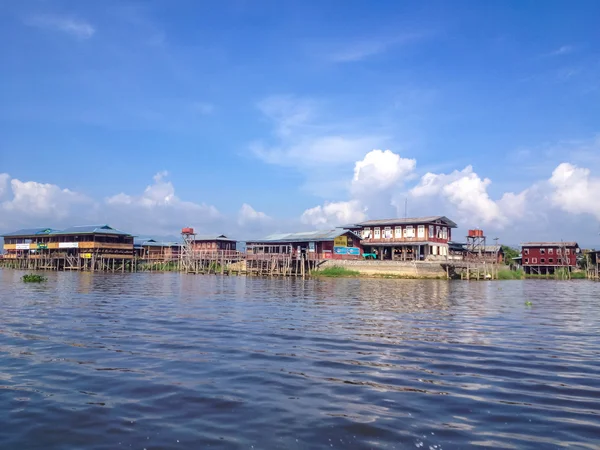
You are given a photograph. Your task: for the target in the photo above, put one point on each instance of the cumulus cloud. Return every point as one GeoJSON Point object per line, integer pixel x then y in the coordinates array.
{"type": "Point", "coordinates": [77, 28]}
{"type": "Point", "coordinates": [333, 214]}
{"type": "Point", "coordinates": [33, 203]}
{"type": "Point", "coordinates": [380, 170]}
{"type": "Point", "coordinates": [575, 190]}
{"type": "Point", "coordinates": [158, 209]}
{"type": "Point", "coordinates": [248, 215]}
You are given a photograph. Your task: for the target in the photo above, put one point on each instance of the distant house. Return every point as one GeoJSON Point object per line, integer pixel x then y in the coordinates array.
{"type": "Point", "coordinates": [216, 242]}
{"type": "Point", "coordinates": [328, 244]}
{"type": "Point", "coordinates": [406, 239]}
{"type": "Point", "coordinates": [79, 247]}
{"type": "Point", "coordinates": [152, 249]}
{"type": "Point", "coordinates": [545, 257]}
{"type": "Point", "coordinates": [489, 253]}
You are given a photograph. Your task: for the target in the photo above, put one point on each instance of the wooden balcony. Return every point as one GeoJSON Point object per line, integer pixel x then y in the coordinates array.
{"type": "Point", "coordinates": [402, 240]}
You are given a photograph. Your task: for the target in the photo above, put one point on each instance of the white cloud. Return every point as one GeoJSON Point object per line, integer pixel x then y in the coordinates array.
{"type": "Point", "coordinates": [562, 50]}
{"type": "Point", "coordinates": [287, 112]}
{"type": "Point", "coordinates": [575, 190]}
{"type": "Point", "coordinates": [75, 27]}
{"type": "Point", "coordinates": [334, 214]}
{"type": "Point", "coordinates": [158, 209]}
{"type": "Point", "coordinates": [309, 141]}
{"type": "Point", "coordinates": [36, 203]}
{"type": "Point", "coordinates": [248, 215]}
{"type": "Point", "coordinates": [365, 48]}
{"type": "Point", "coordinates": [381, 169]}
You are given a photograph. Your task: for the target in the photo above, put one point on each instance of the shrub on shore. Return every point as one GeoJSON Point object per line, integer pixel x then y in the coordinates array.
{"type": "Point", "coordinates": [335, 272]}
{"type": "Point", "coordinates": [506, 274]}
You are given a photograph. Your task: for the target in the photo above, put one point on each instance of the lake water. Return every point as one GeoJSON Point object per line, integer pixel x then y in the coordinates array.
{"type": "Point", "coordinates": [170, 361]}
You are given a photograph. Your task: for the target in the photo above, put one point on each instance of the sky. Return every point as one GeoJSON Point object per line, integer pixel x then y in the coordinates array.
{"type": "Point", "coordinates": [252, 117]}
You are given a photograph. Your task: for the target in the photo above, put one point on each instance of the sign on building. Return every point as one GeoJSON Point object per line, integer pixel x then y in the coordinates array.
{"type": "Point", "coordinates": [311, 247]}
{"type": "Point", "coordinates": [22, 247]}
{"type": "Point", "coordinates": [68, 244]}
{"type": "Point", "coordinates": [340, 250]}
{"type": "Point", "coordinates": [353, 251]}
{"type": "Point", "coordinates": [340, 241]}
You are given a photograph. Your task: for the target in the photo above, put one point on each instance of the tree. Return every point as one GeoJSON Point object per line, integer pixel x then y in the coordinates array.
{"type": "Point", "coordinates": [509, 254]}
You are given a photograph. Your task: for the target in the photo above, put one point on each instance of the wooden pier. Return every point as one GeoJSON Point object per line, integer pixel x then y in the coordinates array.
{"type": "Point", "coordinates": [593, 265]}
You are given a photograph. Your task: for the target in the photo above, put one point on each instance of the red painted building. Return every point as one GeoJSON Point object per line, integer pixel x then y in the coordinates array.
{"type": "Point", "coordinates": [211, 243]}
{"type": "Point", "coordinates": [410, 239]}
{"type": "Point", "coordinates": [545, 257]}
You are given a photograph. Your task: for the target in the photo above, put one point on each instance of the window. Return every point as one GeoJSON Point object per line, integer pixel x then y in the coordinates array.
{"type": "Point", "coordinates": [526, 260]}
{"type": "Point", "coordinates": [377, 233]}
{"type": "Point", "coordinates": [551, 260]}
{"type": "Point", "coordinates": [568, 251]}
{"type": "Point", "coordinates": [542, 261]}
{"type": "Point", "coordinates": [527, 251]}
{"type": "Point", "coordinates": [366, 234]}
{"type": "Point", "coordinates": [398, 232]}
{"type": "Point", "coordinates": [409, 232]}
{"type": "Point", "coordinates": [387, 232]}
{"type": "Point", "coordinates": [534, 260]}
{"type": "Point", "coordinates": [550, 251]}
{"type": "Point", "coordinates": [421, 231]}
{"type": "Point", "coordinates": [444, 233]}
{"type": "Point", "coordinates": [542, 251]}
{"type": "Point", "coordinates": [431, 231]}
{"type": "Point", "coordinates": [438, 232]}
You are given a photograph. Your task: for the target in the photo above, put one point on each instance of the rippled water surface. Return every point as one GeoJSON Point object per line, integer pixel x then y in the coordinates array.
{"type": "Point", "coordinates": [168, 361]}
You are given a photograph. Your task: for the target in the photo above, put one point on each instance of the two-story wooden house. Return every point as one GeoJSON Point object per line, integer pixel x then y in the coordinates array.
{"type": "Point", "coordinates": [544, 258]}
{"type": "Point", "coordinates": [410, 239]}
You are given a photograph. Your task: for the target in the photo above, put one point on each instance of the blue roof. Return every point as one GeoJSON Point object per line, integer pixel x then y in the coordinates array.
{"type": "Point", "coordinates": [308, 236]}
{"type": "Point", "coordinates": [92, 229]}
{"type": "Point", "coordinates": [150, 242]}
{"type": "Point", "coordinates": [30, 232]}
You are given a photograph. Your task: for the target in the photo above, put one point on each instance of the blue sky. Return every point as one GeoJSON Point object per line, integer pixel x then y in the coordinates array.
{"type": "Point", "coordinates": [272, 104]}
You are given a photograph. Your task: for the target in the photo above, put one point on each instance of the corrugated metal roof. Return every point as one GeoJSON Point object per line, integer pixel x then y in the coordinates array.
{"type": "Point", "coordinates": [304, 236]}
{"type": "Point", "coordinates": [29, 232]}
{"type": "Point", "coordinates": [549, 244]}
{"type": "Point", "coordinates": [150, 242]}
{"type": "Point", "coordinates": [407, 221]}
{"type": "Point", "coordinates": [220, 237]}
{"type": "Point", "coordinates": [92, 229]}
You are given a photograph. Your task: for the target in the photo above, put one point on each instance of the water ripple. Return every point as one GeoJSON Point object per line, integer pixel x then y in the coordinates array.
{"type": "Point", "coordinates": [105, 361]}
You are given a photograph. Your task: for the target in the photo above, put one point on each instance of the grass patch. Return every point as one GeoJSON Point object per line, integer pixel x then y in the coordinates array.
{"type": "Point", "coordinates": [335, 272]}
{"type": "Point", "coordinates": [506, 274]}
{"type": "Point", "coordinates": [33, 278]}
{"type": "Point", "coordinates": [578, 276]}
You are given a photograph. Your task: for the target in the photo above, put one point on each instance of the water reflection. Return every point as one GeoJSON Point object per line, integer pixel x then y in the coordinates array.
{"type": "Point", "coordinates": [170, 360]}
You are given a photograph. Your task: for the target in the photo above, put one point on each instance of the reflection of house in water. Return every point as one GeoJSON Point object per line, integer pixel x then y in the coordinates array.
{"type": "Point", "coordinates": [411, 239]}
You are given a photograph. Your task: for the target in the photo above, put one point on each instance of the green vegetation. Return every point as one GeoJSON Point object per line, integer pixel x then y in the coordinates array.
{"type": "Point", "coordinates": [509, 254]}
{"type": "Point", "coordinates": [578, 276]}
{"type": "Point", "coordinates": [335, 272]}
{"type": "Point", "coordinates": [33, 278]}
{"type": "Point", "coordinates": [506, 274]}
